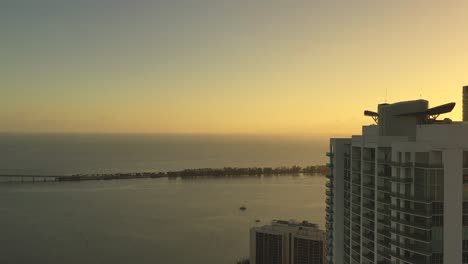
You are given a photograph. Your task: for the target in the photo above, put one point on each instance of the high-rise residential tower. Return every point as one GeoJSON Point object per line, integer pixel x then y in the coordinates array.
{"type": "Point", "coordinates": [398, 193]}
{"type": "Point", "coordinates": [287, 242]}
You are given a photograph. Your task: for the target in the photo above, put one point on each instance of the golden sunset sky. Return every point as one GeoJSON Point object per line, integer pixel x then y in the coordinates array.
{"type": "Point", "coordinates": [220, 66]}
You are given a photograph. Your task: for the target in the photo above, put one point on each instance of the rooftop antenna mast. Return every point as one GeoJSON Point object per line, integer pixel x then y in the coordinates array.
{"type": "Point", "coordinates": [386, 94]}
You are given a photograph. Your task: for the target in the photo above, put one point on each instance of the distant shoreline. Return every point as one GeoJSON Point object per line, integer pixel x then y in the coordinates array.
{"type": "Point", "coordinates": [187, 173]}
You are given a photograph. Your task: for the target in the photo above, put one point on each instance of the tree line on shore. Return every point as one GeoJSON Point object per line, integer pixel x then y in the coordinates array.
{"type": "Point", "coordinates": [205, 172]}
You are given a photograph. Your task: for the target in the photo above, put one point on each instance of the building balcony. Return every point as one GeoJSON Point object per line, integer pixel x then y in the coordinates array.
{"type": "Point", "coordinates": [385, 221]}
{"type": "Point", "coordinates": [402, 164]}
{"type": "Point", "coordinates": [356, 249]}
{"type": "Point", "coordinates": [368, 245]}
{"type": "Point", "coordinates": [369, 185]}
{"type": "Point", "coordinates": [415, 259]}
{"type": "Point", "coordinates": [368, 225]}
{"type": "Point", "coordinates": [368, 235]}
{"type": "Point", "coordinates": [356, 258]}
{"type": "Point", "coordinates": [401, 180]}
{"type": "Point", "coordinates": [356, 210]}
{"type": "Point", "coordinates": [385, 189]}
{"type": "Point", "coordinates": [408, 197]}
{"type": "Point", "coordinates": [370, 206]}
{"type": "Point", "coordinates": [428, 165]}
{"type": "Point", "coordinates": [329, 154]}
{"type": "Point", "coordinates": [385, 252]}
{"type": "Point", "coordinates": [417, 211]}
{"type": "Point", "coordinates": [329, 192]}
{"type": "Point", "coordinates": [384, 161]}
{"type": "Point", "coordinates": [329, 184]}
{"type": "Point", "coordinates": [356, 229]}
{"type": "Point", "coordinates": [384, 232]}
{"type": "Point", "coordinates": [423, 225]}
{"type": "Point", "coordinates": [384, 200]}
{"type": "Point", "coordinates": [329, 176]}
{"type": "Point", "coordinates": [384, 175]}
{"type": "Point", "coordinates": [384, 211]}
{"type": "Point", "coordinates": [369, 256]}
{"type": "Point", "coordinates": [330, 165]}
{"type": "Point", "coordinates": [367, 229]}
{"type": "Point", "coordinates": [369, 216]}
{"type": "Point", "coordinates": [424, 238]}
{"type": "Point", "coordinates": [422, 249]}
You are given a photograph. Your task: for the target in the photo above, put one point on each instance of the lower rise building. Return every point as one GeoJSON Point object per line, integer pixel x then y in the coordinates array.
{"type": "Point", "coordinates": [287, 242]}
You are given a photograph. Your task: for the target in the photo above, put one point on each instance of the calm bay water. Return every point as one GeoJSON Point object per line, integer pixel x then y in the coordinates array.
{"type": "Point", "coordinates": [148, 221]}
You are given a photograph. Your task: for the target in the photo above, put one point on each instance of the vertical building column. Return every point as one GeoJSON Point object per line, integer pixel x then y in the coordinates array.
{"type": "Point", "coordinates": [338, 146]}
{"type": "Point", "coordinates": [453, 205]}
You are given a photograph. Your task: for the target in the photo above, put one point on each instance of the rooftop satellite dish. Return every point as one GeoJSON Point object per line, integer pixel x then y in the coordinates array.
{"type": "Point", "coordinates": [433, 113]}
{"type": "Point", "coordinates": [374, 115]}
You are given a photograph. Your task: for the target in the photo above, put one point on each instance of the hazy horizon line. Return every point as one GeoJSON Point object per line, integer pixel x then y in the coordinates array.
{"type": "Point", "coordinates": [318, 134]}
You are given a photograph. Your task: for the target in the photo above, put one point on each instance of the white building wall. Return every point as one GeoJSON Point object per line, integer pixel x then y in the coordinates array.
{"type": "Point", "coordinates": [453, 205]}
{"type": "Point", "coordinates": [338, 146]}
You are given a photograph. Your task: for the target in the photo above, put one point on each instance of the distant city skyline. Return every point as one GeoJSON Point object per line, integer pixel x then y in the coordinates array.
{"type": "Point", "coordinates": [219, 66]}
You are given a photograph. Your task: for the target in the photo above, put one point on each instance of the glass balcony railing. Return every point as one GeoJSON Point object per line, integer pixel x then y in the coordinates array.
{"type": "Point", "coordinates": [384, 211]}
{"type": "Point", "coordinates": [423, 249]}
{"type": "Point", "coordinates": [401, 180]}
{"type": "Point", "coordinates": [425, 165]}
{"type": "Point", "coordinates": [384, 161]}
{"type": "Point", "coordinates": [369, 184]}
{"type": "Point", "coordinates": [384, 200]}
{"type": "Point", "coordinates": [384, 175]}
{"type": "Point", "coordinates": [384, 221]}
{"type": "Point", "coordinates": [426, 213]}
{"type": "Point", "coordinates": [411, 198]}
{"type": "Point", "coordinates": [370, 206]}
{"type": "Point", "coordinates": [368, 235]}
{"type": "Point", "coordinates": [402, 164]}
{"type": "Point", "coordinates": [384, 232]}
{"type": "Point", "coordinates": [418, 224]}
{"type": "Point", "coordinates": [425, 237]}
{"type": "Point", "coordinates": [411, 259]}
{"type": "Point", "coordinates": [369, 257]}
{"type": "Point", "coordinates": [369, 215]}
{"type": "Point", "coordinates": [369, 246]}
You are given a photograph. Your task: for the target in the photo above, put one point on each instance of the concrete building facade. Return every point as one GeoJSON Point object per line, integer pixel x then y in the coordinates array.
{"type": "Point", "coordinates": [398, 193]}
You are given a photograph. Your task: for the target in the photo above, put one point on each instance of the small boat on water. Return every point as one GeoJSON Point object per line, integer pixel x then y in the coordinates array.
{"type": "Point", "coordinates": [242, 208]}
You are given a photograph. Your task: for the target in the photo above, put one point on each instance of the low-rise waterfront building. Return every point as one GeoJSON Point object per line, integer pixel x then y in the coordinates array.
{"type": "Point", "coordinates": [287, 242]}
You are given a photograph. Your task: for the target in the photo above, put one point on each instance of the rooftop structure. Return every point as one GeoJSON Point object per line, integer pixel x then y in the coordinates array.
{"type": "Point", "coordinates": [398, 193]}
